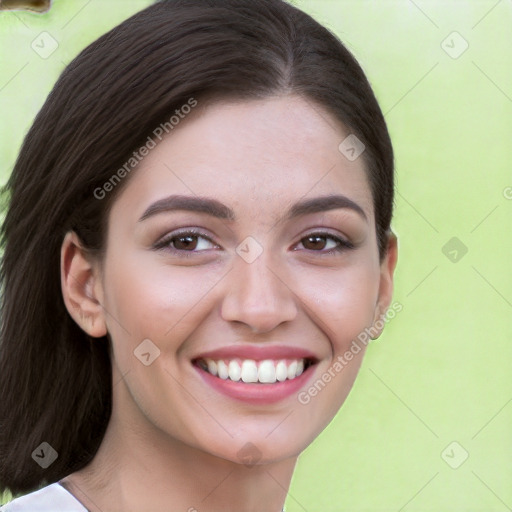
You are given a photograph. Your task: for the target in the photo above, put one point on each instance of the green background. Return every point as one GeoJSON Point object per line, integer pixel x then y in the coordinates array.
{"type": "Point", "coordinates": [440, 373]}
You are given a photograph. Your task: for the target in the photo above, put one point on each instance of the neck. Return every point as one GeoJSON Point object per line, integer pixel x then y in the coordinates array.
{"type": "Point", "coordinates": [140, 467]}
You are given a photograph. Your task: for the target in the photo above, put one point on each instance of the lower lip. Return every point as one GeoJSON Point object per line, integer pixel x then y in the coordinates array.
{"type": "Point", "coordinates": [257, 393]}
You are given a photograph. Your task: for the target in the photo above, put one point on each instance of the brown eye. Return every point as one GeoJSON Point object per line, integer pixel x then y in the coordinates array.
{"type": "Point", "coordinates": [185, 243]}
{"type": "Point", "coordinates": [314, 242]}
{"type": "Point", "coordinates": [325, 243]}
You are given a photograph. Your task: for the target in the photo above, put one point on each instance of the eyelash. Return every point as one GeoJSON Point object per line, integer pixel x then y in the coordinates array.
{"type": "Point", "coordinates": [164, 244]}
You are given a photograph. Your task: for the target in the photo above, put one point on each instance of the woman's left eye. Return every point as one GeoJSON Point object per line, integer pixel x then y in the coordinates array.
{"type": "Point", "coordinates": [325, 243]}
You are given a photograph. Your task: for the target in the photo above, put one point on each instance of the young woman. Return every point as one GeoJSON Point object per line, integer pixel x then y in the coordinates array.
{"type": "Point", "coordinates": [197, 234]}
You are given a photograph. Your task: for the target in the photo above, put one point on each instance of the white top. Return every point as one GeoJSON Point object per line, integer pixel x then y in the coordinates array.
{"type": "Point", "coordinates": [52, 498]}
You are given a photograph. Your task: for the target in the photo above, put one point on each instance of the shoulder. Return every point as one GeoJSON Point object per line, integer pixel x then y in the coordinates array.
{"type": "Point", "coordinates": [52, 498]}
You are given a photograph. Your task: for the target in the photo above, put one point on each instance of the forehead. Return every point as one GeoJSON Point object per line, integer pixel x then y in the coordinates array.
{"type": "Point", "coordinates": [255, 156]}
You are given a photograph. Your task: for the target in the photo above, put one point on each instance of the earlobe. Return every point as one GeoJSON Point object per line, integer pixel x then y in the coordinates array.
{"type": "Point", "coordinates": [81, 288]}
{"type": "Point", "coordinates": [387, 269]}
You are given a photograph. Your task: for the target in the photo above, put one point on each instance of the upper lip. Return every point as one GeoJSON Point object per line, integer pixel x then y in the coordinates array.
{"type": "Point", "coordinates": [257, 353]}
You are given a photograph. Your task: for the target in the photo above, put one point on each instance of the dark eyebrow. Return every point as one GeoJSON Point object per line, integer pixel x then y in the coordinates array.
{"type": "Point", "coordinates": [324, 203]}
{"type": "Point", "coordinates": [190, 203]}
{"type": "Point", "coordinates": [221, 211]}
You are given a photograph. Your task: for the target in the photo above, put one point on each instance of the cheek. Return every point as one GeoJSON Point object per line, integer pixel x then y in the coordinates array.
{"type": "Point", "coordinates": [342, 301]}
{"type": "Point", "coordinates": [146, 298]}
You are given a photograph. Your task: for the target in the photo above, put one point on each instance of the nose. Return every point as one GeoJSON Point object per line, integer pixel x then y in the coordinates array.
{"type": "Point", "coordinates": [258, 296]}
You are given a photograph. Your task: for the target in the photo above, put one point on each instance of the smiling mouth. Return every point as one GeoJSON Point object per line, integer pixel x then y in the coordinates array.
{"type": "Point", "coordinates": [250, 371]}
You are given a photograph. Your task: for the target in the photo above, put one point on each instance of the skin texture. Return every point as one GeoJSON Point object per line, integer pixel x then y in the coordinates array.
{"type": "Point", "coordinates": [172, 438]}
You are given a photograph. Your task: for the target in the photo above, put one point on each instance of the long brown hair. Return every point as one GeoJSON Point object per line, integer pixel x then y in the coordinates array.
{"type": "Point", "coordinates": [55, 381]}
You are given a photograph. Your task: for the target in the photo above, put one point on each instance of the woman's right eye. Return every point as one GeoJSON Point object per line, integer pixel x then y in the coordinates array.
{"type": "Point", "coordinates": [186, 242]}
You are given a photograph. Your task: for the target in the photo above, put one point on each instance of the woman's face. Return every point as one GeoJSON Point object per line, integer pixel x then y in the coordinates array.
{"type": "Point", "coordinates": [222, 252]}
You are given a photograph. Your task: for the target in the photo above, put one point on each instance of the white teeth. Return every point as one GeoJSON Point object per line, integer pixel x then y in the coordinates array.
{"type": "Point", "coordinates": [249, 371]}
{"type": "Point", "coordinates": [222, 368]}
{"type": "Point", "coordinates": [212, 366]}
{"type": "Point", "coordinates": [234, 371]}
{"type": "Point", "coordinates": [267, 371]}
{"type": "Point", "coordinates": [281, 371]}
{"type": "Point", "coordinates": [292, 369]}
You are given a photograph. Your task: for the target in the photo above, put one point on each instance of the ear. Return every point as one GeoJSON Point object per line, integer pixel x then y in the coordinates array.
{"type": "Point", "coordinates": [387, 269]}
{"type": "Point", "coordinates": [81, 286]}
